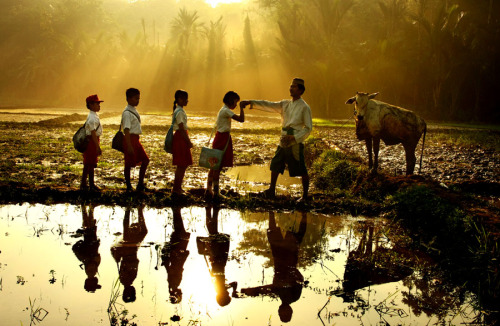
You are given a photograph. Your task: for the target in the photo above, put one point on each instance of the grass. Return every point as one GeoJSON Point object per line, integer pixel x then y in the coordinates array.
{"type": "Point", "coordinates": [469, 125]}
{"type": "Point", "coordinates": [37, 314]}
{"type": "Point", "coordinates": [435, 218]}
{"type": "Point", "coordinates": [317, 122]}
{"type": "Point", "coordinates": [488, 139]}
{"type": "Point", "coordinates": [467, 251]}
{"type": "Point", "coordinates": [485, 251]}
{"type": "Point", "coordinates": [118, 315]}
{"type": "Point", "coordinates": [333, 170]}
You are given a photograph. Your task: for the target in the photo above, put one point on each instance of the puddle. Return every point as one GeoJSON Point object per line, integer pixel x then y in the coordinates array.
{"type": "Point", "coordinates": [68, 265]}
{"type": "Point", "coordinates": [257, 178]}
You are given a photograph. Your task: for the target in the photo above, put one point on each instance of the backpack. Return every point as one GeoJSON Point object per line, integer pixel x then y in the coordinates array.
{"type": "Point", "coordinates": [80, 139]}
{"type": "Point", "coordinates": [169, 138]}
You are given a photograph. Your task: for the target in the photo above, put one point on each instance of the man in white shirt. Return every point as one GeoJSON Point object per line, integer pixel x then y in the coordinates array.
{"type": "Point", "coordinates": [296, 127]}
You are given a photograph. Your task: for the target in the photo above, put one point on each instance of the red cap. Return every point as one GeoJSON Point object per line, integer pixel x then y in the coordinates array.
{"type": "Point", "coordinates": [93, 98]}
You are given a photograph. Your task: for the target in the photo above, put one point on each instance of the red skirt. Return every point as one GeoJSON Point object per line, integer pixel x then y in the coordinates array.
{"type": "Point", "coordinates": [220, 141]}
{"type": "Point", "coordinates": [139, 155]}
{"type": "Point", "coordinates": [90, 154]}
{"type": "Point", "coordinates": [180, 151]}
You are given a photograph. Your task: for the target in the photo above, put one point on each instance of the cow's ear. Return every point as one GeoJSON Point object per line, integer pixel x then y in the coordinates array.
{"type": "Point", "coordinates": [372, 96]}
{"type": "Point", "coordinates": [351, 100]}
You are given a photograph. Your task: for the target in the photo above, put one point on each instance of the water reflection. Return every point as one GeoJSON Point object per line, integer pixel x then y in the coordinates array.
{"type": "Point", "coordinates": [288, 267]}
{"type": "Point", "coordinates": [370, 263]}
{"type": "Point", "coordinates": [174, 254]}
{"type": "Point", "coordinates": [87, 250]}
{"type": "Point", "coordinates": [215, 249]}
{"type": "Point", "coordinates": [287, 281]}
{"type": "Point", "coordinates": [125, 252]}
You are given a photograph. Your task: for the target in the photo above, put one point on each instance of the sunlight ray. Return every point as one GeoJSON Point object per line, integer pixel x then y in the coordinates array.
{"type": "Point", "coordinates": [214, 3]}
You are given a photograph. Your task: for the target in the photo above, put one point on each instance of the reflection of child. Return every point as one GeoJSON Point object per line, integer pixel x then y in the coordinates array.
{"type": "Point", "coordinates": [216, 247]}
{"type": "Point", "coordinates": [174, 255]}
{"type": "Point", "coordinates": [93, 130]}
{"type": "Point", "coordinates": [133, 150]}
{"type": "Point", "coordinates": [87, 250]}
{"type": "Point", "coordinates": [223, 139]}
{"type": "Point", "coordinates": [181, 146]}
{"type": "Point", "coordinates": [125, 252]}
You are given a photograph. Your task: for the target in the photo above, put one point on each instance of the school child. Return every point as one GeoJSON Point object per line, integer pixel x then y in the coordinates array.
{"type": "Point", "coordinates": [133, 151]}
{"type": "Point", "coordinates": [181, 146]}
{"type": "Point", "coordinates": [93, 130]}
{"type": "Point", "coordinates": [223, 137]}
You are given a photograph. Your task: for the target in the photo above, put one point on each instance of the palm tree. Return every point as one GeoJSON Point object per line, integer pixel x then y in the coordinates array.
{"type": "Point", "coordinates": [184, 28]}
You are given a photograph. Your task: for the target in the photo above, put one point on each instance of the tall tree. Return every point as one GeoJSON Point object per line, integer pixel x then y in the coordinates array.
{"type": "Point", "coordinates": [250, 56]}
{"type": "Point", "coordinates": [215, 59]}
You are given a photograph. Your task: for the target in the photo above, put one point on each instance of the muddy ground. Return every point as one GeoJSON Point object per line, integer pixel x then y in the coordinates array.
{"type": "Point", "coordinates": [39, 162]}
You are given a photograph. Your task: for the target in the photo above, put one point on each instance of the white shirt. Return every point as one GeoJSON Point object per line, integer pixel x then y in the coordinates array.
{"type": "Point", "coordinates": [130, 120]}
{"type": "Point", "coordinates": [93, 123]}
{"type": "Point", "coordinates": [181, 117]}
{"type": "Point", "coordinates": [294, 114]}
{"type": "Point", "coordinates": [224, 119]}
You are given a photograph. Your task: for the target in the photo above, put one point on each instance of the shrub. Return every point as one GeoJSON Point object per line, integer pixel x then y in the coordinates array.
{"type": "Point", "coordinates": [438, 221]}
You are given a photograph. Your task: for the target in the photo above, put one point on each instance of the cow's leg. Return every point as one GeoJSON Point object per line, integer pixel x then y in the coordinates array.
{"type": "Point", "coordinates": [376, 147]}
{"type": "Point", "coordinates": [368, 142]}
{"type": "Point", "coordinates": [410, 157]}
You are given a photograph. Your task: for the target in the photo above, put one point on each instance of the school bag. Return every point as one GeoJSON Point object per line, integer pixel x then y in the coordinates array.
{"type": "Point", "coordinates": [80, 139]}
{"type": "Point", "coordinates": [169, 138]}
{"type": "Point", "coordinates": [117, 142]}
{"type": "Point", "coordinates": [211, 158]}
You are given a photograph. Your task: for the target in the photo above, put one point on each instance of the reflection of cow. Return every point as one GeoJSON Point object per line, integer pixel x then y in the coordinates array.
{"type": "Point", "coordinates": [371, 264]}
{"type": "Point", "coordinates": [377, 120]}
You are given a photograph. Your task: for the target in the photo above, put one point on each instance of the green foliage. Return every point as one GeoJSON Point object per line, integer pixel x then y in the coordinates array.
{"type": "Point", "coordinates": [486, 256]}
{"type": "Point", "coordinates": [333, 170]}
{"type": "Point", "coordinates": [468, 136]}
{"type": "Point", "coordinates": [372, 186]}
{"type": "Point", "coordinates": [450, 48]}
{"type": "Point", "coordinates": [438, 221]}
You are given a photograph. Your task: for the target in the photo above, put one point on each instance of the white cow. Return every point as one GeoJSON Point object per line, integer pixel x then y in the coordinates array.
{"type": "Point", "coordinates": [377, 120]}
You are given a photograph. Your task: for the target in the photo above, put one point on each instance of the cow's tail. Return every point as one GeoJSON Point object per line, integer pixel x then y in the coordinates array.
{"type": "Point", "coordinates": [423, 145]}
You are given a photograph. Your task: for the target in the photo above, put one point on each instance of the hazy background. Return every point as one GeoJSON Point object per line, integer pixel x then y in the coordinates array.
{"type": "Point", "coordinates": [437, 57]}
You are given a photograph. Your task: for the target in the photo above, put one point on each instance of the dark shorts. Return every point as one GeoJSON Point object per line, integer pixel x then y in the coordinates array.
{"type": "Point", "coordinates": [293, 157]}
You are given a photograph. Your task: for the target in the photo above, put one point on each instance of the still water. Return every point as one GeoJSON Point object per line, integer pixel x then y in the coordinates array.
{"type": "Point", "coordinates": [82, 265]}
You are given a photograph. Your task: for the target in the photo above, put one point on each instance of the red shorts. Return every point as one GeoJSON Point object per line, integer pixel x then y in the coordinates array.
{"type": "Point", "coordinates": [139, 155]}
{"type": "Point", "coordinates": [220, 141]}
{"type": "Point", "coordinates": [180, 151]}
{"type": "Point", "coordinates": [90, 154]}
